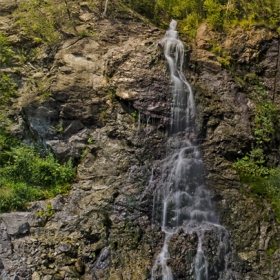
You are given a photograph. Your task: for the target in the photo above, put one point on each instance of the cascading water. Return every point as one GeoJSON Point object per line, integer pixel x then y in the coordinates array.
{"type": "Point", "coordinates": [181, 195]}
{"type": "Point", "coordinates": [105, 9]}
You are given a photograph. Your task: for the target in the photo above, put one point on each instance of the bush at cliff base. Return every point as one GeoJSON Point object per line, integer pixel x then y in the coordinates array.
{"type": "Point", "coordinates": [29, 174]}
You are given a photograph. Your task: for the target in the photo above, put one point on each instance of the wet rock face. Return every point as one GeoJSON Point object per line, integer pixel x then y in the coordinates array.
{"type": "Point", "coordinates": [182, 249]}
{"type": "Point", "coordinates": [106, 103]}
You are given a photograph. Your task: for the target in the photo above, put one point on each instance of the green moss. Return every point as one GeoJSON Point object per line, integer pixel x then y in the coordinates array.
{"type": "Point", "coordinates": [84, 34]}
{"type": "Point", "coordinates": [40, 213]}
{"type": "Point", "coordinates": [217, 50]}
{"type": "Point", "coordinates": [252, 78]}
{"type": "Point", "coordinates": [265, 217]}
{"type": "Point", "coordinates": [273, 246]}
{"type": "Point", "coordinates": [59, 127]}
{"type": "Point", "coordinates": [49, 213]}
{"type": "Point", "coordinates": [239, 80]}
{"type": "Point", "coordinates": [113, 245]}
{"type": "Point", "coordinates": [224, 62]}
{"type": "Point", "coordinates": [49, 206]}
{"type": "Point", "coordinates": [83, 153]}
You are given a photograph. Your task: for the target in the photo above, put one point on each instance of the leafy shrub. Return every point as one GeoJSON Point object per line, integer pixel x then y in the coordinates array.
{"type": "Point", "coordinates": [144, 7]}
{"type": "Point", "coordinates": [26, 175]}
{"type": "Point", "coordinates": [214, 13]}
{"type": "Point", "coordinates": [253, 168]}
{"type": "Point", "coordinates": [267, 187]}
{"type": "Point", "coordinates": [265, 122]}
{"type": "Point", "coordinates": [14, 196]}
{"type": "Point", "coordinates": [252, 164]}
{"type": "Point", "coordinates": [47, 21]}
{"type": "Point", "coordinates": [190, 24]}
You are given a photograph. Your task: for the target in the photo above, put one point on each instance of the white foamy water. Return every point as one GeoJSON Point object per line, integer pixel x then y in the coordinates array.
{"type": "Point", "coordinates": [183, 198]}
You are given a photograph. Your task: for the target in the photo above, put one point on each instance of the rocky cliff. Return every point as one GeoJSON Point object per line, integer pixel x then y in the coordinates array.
{"type": "Point", "coordinates": [104, 101]}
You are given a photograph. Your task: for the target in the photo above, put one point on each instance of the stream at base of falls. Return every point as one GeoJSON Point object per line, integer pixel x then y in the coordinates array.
{"type": "Point", "coordinates": [181, 196]}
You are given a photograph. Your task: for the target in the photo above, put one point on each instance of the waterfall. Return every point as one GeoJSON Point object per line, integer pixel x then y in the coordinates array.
{"type": "Point", "coordinates": [105, 9]}
{"type": "Point", "coordinates": [180, 194]}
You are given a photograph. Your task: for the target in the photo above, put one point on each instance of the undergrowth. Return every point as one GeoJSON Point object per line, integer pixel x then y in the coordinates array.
{"type": "Point", "coordinates": [254, 168]}
{"type": "Point", "coordinates": [48, 21]}
{"type": "Point", "coordinates": [27, 173]}
{"type": "Point", "coordinates": [219, 14]}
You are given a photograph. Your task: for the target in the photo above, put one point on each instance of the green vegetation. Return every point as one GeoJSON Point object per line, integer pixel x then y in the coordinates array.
{"type": "Point", "coordinates": [134, 114]}
{"type": "Point", "coordinates": [254, 168]}
{"type": "Point", "coordinates": [7, 87]}
{"type": "Point", "coordinates": [50, 20]}
{"type": "Point", "coordinates": [27, 173]}
{"type": "Point", "coordinates": [48, 213]}
{"type": "Point", "coordinates": [223, 57]}
{"type": "Point", "coordinates": [47, 21]}
{"type": "Point", "coordinates": [273, 246]}
{"type": "Point", "coordinates": [35, 18]}
{"type": "Point", "coordinates": [50, 210]}
{"type": "Point", "coordinates": [59, 127]}
{"type": "Point", "coordinates": [251, 78]}
{"type": "Point", "coordinates": [219, 14]}
{"type": "Point", "coordinates": [6, 53]}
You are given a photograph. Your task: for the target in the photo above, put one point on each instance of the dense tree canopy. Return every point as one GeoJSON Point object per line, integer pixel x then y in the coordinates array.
{"type": "Point", "coordinates": [219, 14]}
